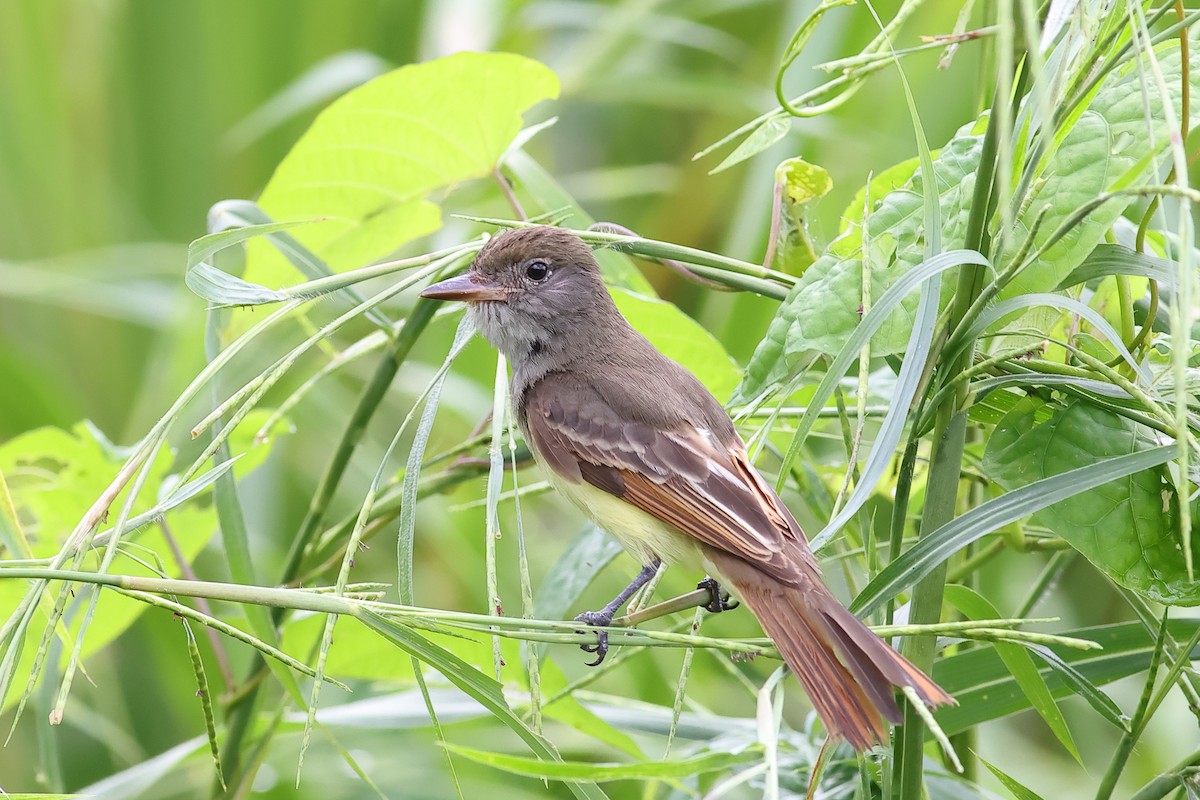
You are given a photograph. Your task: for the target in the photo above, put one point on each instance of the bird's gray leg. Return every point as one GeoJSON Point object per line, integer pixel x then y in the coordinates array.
{"type": "Point", "coordinates": [604, 616]}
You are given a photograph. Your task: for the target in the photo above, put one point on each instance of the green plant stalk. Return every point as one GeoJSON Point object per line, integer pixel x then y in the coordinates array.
{"type": "Point", "coordinates": [1168, 782]}
{"type": "Point", "coordinates": [1130, 737]}
{"type": "Point", "coordinates": [240, 711]}
{"type": "Point", "coordinates": [1046, 580]}
{"type": "Point", "coordinates": [561, 631]}
{"type": "Point", "coordinates": [356, 426]}
{"type": "Point", "coordinates": [1055, 368]}
{"type": "Point", "coordinates": [1178, 664]}
{"type": "Point", "coordinates": [1037, 366]}
{"type": "Point", "coordinates": [908, 466]}
{"type": "Point", "coordinates": [1189, 682]}
{"type": "Point", "coordinates": [926, 605]}
{"type": "Point", "coordinates": [946, 463]}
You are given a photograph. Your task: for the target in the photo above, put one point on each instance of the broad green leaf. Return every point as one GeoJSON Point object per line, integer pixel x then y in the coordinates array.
{"type": "Point", "coordinates": [798, 183]}
{"type": "Point", "coordinates": [802, 181]}
{"type": "Point", "coordinates": [1127, 527]}
{"type": "Point", "coordinates": [925, 276]}
{"type": "Point", "coordinates": [974, 606]}
{"type": "Point", "coordinates": [370, 160]}
{"type": "Point", "coordinates": [1106, 147]}
{"type": "Point", "coordinates": [822, 309]}
{"type": "Point", "coordinates": [584, 770]}
{"type": "Point", "coordinates": [679, 337]}
{"type": "Point", "coordinates": [1111, 145]}
{"type": "Point", "coordinates": [880, 186]}
{"type": "Point", "coordinates": [985, 690]}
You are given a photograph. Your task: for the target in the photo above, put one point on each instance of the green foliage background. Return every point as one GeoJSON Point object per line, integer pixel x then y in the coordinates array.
{"type": "Point", "coordinates": [123, 123]}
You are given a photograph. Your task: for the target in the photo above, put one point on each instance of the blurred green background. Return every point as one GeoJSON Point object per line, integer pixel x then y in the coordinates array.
{"type": "Point", "coordinates": [123, 121]}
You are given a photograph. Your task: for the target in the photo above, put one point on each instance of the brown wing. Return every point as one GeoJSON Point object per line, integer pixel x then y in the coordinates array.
{"type": "Point", "coordinates": [683, 477]}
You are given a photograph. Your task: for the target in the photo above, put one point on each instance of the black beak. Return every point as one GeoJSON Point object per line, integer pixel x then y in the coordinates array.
{"type": "Point", "coordinates": [466, 287]}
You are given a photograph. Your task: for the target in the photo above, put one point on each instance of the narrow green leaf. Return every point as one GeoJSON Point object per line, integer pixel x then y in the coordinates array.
{"type": "Point", "coordinates": [985, 689]}
{"type": "Point", "coordinates": [412, 469]}
{"type": "Point", "coordinates": [486, 690]}
{"type": "Point", "coordinates": [997, 312]}
{"type": "Point", "coordinates": [601, 772]}
{"type": "Point", "coordinates": [1015, 788]}
{"type": "Point", "coordinates": [887, 441]}
{"type": "Point", "coordinates": [222, 289]}
{"type": "Point", "coordinates": [1114, 259]}
{"type": "Point", "coordinates": [919, 560]}
{"type": "Point", "coordinates": [201, 249]}
{"type": "Point", "coordinates": [1019, 664]}
{"type": "Point", "coordinates": [228, 216]}
{"type": "Point", "coordinates": [772, 129]}
{"type": "Point", "coordinates": [858, 338]}
{"type": "Point", "coordinates": [1081, 686]}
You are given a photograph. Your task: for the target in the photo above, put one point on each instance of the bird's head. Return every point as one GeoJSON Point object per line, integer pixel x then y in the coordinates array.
{"type": "Point", "coordinates": [531, 290]}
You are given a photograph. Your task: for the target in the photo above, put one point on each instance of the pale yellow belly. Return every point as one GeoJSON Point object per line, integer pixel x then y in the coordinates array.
{"type": "Point", "coordinates": [644, 537]}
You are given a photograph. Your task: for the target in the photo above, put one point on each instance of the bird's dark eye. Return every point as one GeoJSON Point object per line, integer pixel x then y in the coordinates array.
{"type": "Point", "coordinates": [537, 270]}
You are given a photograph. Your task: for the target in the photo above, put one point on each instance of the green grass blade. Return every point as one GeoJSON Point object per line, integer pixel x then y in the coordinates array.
{"type": "Point", "coordinates": [482, 688]}
{"type": "Point", "coordinates": [202, 691]}
{"type": "Point", "coordinates": [871, 323]}
{"type": "Point", "coordinates": [934, 549]}
{"type": "Point", "coordinates": [1019, 664]}
{"type": "Point", "coordinates": [412, 470]}
{"type": "Point", "coordinates": [1015, 788]}
{"type": "Point", "coordinates": [1082, 687]}
{"type": "Point", "coordinates": [601, 772]}
{"type": "Point", "coordinates": [986, 691]}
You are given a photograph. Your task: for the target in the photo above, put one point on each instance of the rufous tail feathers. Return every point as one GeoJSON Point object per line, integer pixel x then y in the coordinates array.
{"type": "Point", "coordinates": [848, 671]}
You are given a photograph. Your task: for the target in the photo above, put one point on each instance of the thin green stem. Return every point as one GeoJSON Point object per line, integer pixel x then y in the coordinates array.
{"type": "Point", "coordinates": [1125, 747]}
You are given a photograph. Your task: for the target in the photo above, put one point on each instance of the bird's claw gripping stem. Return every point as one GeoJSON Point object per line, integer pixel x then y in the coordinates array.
{"type": "Point", "coordinates": [600, 619]}
{"type": "Point", "coordinates": [720, 598]}
{"type": "Point", "coordinates": [604, 617]}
